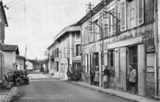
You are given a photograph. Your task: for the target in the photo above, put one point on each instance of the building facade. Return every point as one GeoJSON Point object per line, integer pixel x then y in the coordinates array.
{"type": "Point", "coordinates": [10, 54]}
{"type": "Point", "coordinates": [29, 65]}
{"type": "Point", "coordinates": [117, 34]}
{"type": "Point", "coordinates": [64, 53]}
{"type": "Point", "coordinates": [3, 23]}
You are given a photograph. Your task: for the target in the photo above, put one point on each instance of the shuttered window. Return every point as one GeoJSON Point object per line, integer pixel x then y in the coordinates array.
{"type": "Point", "coordinates": [131, 14]}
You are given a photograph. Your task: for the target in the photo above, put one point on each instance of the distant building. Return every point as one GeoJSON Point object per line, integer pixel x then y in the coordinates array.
{"type": "Point", "coordinates": [10, 55]}
{"type": "Point", "coordinates": [29, 65]}
{"type": "Point", "coordinates": [20, 61]}
{"type": "Point", "coordinates": [65, 51]}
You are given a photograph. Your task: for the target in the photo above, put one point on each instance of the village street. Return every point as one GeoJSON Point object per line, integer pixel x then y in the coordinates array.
{"type": "Point", "coordinates": [44, 89]}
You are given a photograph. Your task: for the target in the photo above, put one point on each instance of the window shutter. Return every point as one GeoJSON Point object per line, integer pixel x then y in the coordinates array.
{"type": "Point", "coordinates": [106, 27]}
{"type": "Point", "coordinates": [109, 25]}
{"type": "Point", "coordinates": [114, 21]}
{"type": "Point", "coordinates": [123, 15]}
{"type": "Point", "coordinates": [132, 14]}
{"type": "Point", "coordinates": [140, 12]}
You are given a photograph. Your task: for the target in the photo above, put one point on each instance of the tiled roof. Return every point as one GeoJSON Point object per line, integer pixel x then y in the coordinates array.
{"type": "Point", "coordinates": [10, 48]}
{"type": "Point", "coordinates": [21, 57]}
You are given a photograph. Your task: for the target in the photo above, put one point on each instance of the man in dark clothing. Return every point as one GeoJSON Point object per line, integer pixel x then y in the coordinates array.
{"type": "Point", "coordinates": [106, 75]}
{"type": "Point", "coordinates": [92, 75]}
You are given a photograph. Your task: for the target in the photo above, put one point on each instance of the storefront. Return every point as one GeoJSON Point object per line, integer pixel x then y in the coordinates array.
{"type": "Point", "coordinates": [131, 48]}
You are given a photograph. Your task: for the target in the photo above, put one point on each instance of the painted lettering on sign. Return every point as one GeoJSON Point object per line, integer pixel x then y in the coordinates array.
{"type": "Point", "coordinates": [146, 34]}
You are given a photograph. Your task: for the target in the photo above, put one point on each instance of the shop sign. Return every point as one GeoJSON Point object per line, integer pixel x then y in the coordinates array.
{"type": "Point", "coordinates": [150, 48]}
{"type": "Point", "coordinates": [145, 32]}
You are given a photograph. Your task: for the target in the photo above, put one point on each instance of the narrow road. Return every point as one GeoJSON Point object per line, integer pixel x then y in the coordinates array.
{"type": "Point", "coordinates": [51, 90]}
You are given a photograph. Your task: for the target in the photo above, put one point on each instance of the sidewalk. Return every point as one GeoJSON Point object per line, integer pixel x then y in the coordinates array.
{"type": "Point", "coordinates": [121, 94]}
{"type": "Point", "coordinates": [8, 95]}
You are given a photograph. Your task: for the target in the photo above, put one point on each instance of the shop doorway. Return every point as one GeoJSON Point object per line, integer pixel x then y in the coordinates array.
{"type": "Point", "coordinates": [96, 67]}
{"type": "Point", "coordinates": [111, 66]}
{"type": "Point", "coordinates": [133, 61]}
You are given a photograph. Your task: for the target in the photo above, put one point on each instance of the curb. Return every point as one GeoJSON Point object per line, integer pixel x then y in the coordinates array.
{"type": "Point", "coordinates": [129, 97]}
{"type": "Point", "coordinates": [102, 91]}
{"type": "Point", "coordinates": [9, 96]}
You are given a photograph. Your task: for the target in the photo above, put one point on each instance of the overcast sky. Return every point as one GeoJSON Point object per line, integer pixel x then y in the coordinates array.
{"type": "Point", "coordinates": [44, 19]}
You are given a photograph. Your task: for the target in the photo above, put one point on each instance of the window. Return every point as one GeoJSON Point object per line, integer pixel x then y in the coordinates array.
{"type": "Point", "coordinates": [57, 66]}
{"type": "Point", "coordinates": [56, 52]}
{"type": "Point", "coordinates": [77, 36]}
{"type": "Point", "coordinates": [96, 61]}
{"type": "Point", "coordinates": [112, 59]}
{"type": "Point", "coordinates": [149, 11]}
{"type": "Point", "coordinates": [131, 14]}
{"type": "Point", "coordinates": [86, 63]}
{"type": "Point", "coordinates": [78, 49]}
{"type": "Point", "coordinates": [52, 53]}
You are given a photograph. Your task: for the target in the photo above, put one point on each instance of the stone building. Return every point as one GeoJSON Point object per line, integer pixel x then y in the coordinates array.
{"type": "Point", "coordinates": [64, 52]}
{"type": "Point", "coordinates": [119, 33]}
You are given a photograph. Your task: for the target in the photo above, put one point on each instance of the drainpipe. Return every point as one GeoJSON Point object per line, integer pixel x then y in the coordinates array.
{"type": "Point", "coordinates": [156, 67]}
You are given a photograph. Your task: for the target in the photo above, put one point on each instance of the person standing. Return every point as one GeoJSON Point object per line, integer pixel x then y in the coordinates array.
{"type": "Point", "coordinates": [132, 79]}
{"type": "Point", "coordinates": [106, 75]}
{"type": "Point", "coordinates": [92, 75]}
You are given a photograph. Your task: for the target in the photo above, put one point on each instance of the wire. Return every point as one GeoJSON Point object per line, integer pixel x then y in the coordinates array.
{"type": "Point", "coordinates": [15, 3]}
{"type": "Point", "coordinates": [11, 2]}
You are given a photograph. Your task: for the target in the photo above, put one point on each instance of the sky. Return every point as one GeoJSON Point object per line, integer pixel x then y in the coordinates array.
{"type": "Point", "coordinates": [37, 24]}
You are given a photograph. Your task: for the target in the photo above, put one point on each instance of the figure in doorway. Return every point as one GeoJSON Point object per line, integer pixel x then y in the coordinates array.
{"type": "Point", "coordinates": [106, 75]}
{"type": "Point", "coordinates": [132, 79]}
{"type": "Point", "coordinates": [92, 75]}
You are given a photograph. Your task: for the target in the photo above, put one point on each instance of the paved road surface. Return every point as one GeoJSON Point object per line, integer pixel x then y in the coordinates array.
{"type": "Point", "coordinates": [52, 90]}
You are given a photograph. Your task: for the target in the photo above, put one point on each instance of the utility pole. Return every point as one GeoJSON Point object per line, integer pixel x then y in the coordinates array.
{"type": "Point", "coordinates": [156, 41]}
{"type": "Point", "coordinates": [102, 31]}
{"type": "Point", "coordinates": [25, 25]}
{"type": "Point", "coordinates": [101, 41]}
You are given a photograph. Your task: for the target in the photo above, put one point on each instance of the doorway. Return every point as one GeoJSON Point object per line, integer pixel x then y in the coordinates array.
{"type": "Point", "coordinates": [133, 61]}
{"type": "Point", "coordinates": [96, 67]}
